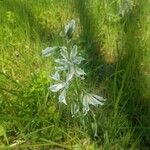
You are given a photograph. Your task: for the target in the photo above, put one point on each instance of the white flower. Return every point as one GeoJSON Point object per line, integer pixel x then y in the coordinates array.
{"type": "Point", "coordinates": [74, 70]}
{"type": "Point", "coordinates": [63, 86]}
{"type": "Point", "coordinates": [70, 62]}
{"type": "Point", "coordinates": [91, 99]}
{"type": "Point", "coordinates": [69, 28]}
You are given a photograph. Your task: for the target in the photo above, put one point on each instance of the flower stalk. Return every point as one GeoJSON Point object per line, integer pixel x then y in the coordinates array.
{"type": "Point", "coordinates": [68, 71]}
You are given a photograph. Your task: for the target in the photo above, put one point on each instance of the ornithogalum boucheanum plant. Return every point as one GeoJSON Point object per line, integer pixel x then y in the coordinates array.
{"type": "Point", "coordinates": [67, 70]}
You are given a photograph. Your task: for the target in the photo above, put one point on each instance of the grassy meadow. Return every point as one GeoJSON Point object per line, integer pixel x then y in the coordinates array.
{"type": "Point", "coordinates": [113, 36]}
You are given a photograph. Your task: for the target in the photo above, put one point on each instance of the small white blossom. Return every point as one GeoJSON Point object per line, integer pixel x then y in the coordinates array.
{"type": "Point", "coordinates": [91, 99]}
{"type": "Point", "coordinates": [69, 28]}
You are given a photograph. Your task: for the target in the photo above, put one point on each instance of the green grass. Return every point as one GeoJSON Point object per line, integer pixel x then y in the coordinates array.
{"type": "Point", "coordinates": [117, 50]}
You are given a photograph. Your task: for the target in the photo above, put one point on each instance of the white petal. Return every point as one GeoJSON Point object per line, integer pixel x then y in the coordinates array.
{"type": "Point", "coordinates": [89, 99]}
{"type": "Point", "coordinates": [60, 68]}
{"type": "Point", "coordinates": [48, 51]}
{"type": "Point", "coordinates": [86, 107]}
{"type": "Point", "coordinates": [56, 76]}
{"type": "Point", "coordinates": [69, 76]}
{"type": "Point", "coordinates": [62, 97]}
{"type": "Point", "coordinates": [78, 60]}
{"type": "Point", "coordinates": [93, 101]}
{"type": "Point", "coordinates": [71, 72]}
{"type": "Point", "coordinates": [74, 109]}
{"type": "Point", "coordinates": [64, 53]}
{"type": "Point", "coordinates": [79, 71]}
{"type": "Point", "coordinates": [73, 51]}
{"type": "Point", "coordinates": [60, 61]}
{"type": "Point", "coordinates": [57, 87]}
{"type": "Point", "coordinates": [69, 28]}
{"type": "Point", "coordinates": [99, 97]}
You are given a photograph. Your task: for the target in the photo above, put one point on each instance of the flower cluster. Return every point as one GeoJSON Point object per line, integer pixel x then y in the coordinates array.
{"type": "Point", "coordinates": [69, 62]}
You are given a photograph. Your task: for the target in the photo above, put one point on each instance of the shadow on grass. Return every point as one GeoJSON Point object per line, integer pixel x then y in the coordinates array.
{"type": "Point", "coordinates": [128, 89]}
{"type": "Point", "coordinates": [97, 65]}
{"type": "Point", "coordinates": [88, 24]}
{"type": "Point", "coordinates": [133, 79]}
